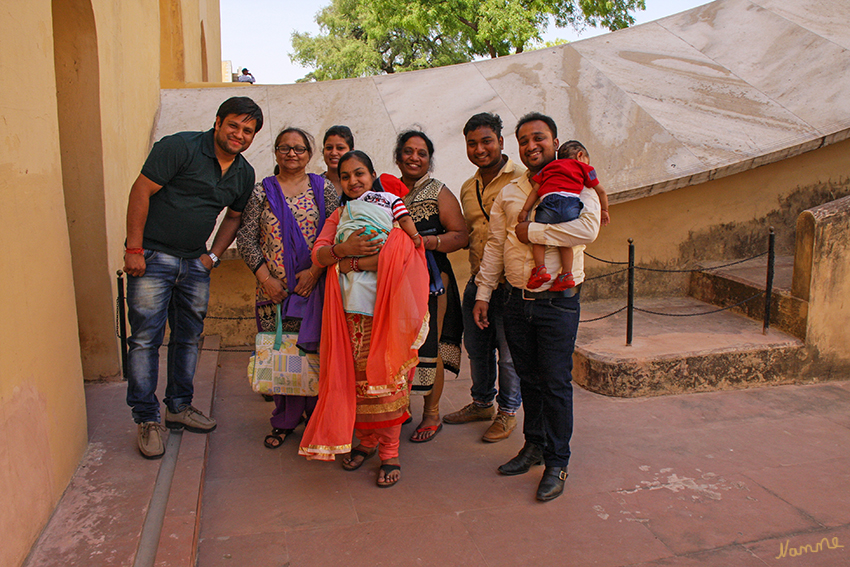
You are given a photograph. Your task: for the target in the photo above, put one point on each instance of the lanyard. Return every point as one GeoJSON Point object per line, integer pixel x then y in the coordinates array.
{"type": "Point", "coordinates": [480, 202]}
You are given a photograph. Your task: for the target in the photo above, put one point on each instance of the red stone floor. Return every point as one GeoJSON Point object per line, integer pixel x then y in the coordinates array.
{"type": "Point", "coordinates": [738, 478]}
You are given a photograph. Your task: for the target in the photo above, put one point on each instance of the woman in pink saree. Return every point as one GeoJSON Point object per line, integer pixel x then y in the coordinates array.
{"type": "Point", "coordinates": [366, 358]}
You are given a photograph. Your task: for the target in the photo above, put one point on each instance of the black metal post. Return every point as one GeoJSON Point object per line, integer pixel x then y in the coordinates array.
{"type": "Point", "coordinates": [768, 288]}
{"type": "Point", "coordinates": [122, 323]}
{"type": "Point", "coordinates": [630, 311]}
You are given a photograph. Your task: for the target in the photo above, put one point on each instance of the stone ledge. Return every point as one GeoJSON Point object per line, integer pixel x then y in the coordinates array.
{"type": "Point", "coordinates": [671, 355]}
{"type": "Point", "coordinates": [178, 541]}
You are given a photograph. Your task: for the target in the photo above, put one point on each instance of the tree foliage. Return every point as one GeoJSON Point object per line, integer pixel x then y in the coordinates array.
{"type": "Point", "coordinates": [369, 37]}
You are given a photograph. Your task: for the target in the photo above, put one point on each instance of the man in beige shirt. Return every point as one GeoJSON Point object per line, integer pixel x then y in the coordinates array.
{"type": "Point", "coordinates": [484, 146]}
{"type": "Point", "coordinates": [540, 325]}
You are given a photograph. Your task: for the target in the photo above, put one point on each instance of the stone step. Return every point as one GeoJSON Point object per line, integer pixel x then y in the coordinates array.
{"type": "Point", "coordinates": [103, 516]}
{"type": "Point", "coordinates": [731, 285]}
{"type": "Point", "coordinates": [677, 354]}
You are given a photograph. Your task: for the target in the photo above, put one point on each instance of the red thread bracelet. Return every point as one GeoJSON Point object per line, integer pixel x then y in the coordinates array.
{"type": "Point", "coordinates": [134, 250]}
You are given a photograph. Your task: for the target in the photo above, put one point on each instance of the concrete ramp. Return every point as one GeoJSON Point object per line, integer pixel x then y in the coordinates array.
{"type": "Point", "coordinates": [713, 91]}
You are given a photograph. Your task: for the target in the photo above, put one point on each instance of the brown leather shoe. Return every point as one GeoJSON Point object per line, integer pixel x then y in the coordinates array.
{"type": "Point", "coordinates": [469, 413]}
{"type": "Point", "coordinates": [150, 440]}
{"type": "Point", "coordinates": [500, 429]}
{"type": "Point", "coordinates": [190, 419]}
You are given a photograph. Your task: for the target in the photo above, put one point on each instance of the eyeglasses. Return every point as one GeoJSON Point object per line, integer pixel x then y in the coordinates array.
{"type": "Point", "coordinates": [299, 150]}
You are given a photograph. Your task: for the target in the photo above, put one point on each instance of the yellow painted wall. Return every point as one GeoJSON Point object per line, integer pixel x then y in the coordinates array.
{"type": "Point", "coordinates": [42, 405]}
{"type": "Point", "coordinates": [74, 136]}
{"type": "Point", "coordinates": [724, 219]}
{"type": "Point", "coordinates": [829, 286]}
{"type": "Point", "coordinates": [190, 35]}
{"type": "Point", "coordinates": [129, 100]}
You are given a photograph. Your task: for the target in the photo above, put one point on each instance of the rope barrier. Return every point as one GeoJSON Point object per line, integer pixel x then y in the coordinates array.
{"type": "Point", "coordinates": [759, 294]}
{"type": "Point", "coordinates": [586, 253]}
{"type": "Point", "coordinates": [623, 308]}
{"type": "Point", "coordinates": [606, 275]}
{"type": "Point", "coordinates": [700, 269]}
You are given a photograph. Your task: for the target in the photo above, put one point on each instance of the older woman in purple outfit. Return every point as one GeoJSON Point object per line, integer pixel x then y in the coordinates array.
{"type": "Point", "coordinates": [280, 223]}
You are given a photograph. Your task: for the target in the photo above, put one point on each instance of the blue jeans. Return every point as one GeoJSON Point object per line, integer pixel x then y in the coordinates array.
{"type": "Point", "coordinates": [176, 290]}
{"type": "Point", "coordinates": [481, 346]}
{"type": "Point", "coordinates": [542, 336]}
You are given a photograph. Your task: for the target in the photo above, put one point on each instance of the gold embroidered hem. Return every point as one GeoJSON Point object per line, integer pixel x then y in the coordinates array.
{"type": "Point", "coordinates": [450, 353]}
{"type": "Point", "coordinates": [399, 403]}
{"type": "Point", "coordinates": [323, 452]}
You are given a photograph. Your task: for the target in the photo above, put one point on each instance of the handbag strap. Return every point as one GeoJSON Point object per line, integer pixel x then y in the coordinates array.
{"type": "Point", "coordinates": [278, 337]}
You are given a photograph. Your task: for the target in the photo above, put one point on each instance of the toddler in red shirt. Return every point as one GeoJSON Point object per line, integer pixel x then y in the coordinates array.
{"type": "Point", "coordinates": [558, 186]}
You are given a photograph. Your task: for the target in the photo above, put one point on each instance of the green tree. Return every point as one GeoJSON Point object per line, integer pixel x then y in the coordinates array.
{"type": "Point", "coordinates": [358, 42]}
{"type": "Point", "coordinates": [368, 37]}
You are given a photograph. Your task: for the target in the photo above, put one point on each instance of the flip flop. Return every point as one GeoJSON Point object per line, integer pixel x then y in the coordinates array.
{"type": "Point", "coordinates": [274, 440]}
{"type": "Point", "coordinates": [360, 452]}
{"type": "Point", "coordinates": [435, 428]}
{"type": "Point", "coordinates": [387, 470]}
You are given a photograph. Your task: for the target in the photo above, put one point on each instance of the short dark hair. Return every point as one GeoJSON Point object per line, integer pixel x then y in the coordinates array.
{"type": "Point", "coordinates": [240, 105]}
{"type": "Point", "coordinates": [308, 141]}
{"type": "Point", "coordinates": [407, 135]}
{"type": "Point", "coordinates": [568, 150]}
{"type": "Point", "coordinates": [343, 132]}
{"type": "Point", "coordinates": [533, 116]}
{"type": "Point", "coordinates": [484, 120]}
{"type": "Point", "coordinates": [362, 158]}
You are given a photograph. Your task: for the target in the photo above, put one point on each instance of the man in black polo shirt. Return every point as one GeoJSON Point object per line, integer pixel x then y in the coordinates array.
{"type": "Point", "coordinates": [188, 178]}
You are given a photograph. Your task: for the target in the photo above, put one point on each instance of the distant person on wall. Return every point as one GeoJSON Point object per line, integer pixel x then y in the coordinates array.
{"type": "Point", "coordinates": [540, 325]}
{"type": "Point", "coordinates": [246, 77]}
{"type": "Point", "coordinates": [558, 186]}
{"type": "Point", "coordinates": [484, 146]}
{"type": "Point", "coordinates": [187, 180]}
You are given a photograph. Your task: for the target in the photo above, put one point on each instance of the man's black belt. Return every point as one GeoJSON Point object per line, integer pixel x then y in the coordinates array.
{"type": "Point", "coordinates": [532, 295]}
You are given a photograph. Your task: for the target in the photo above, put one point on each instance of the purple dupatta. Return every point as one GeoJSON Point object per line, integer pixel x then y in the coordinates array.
{"type": "Point", "coordinates": [297, 259]}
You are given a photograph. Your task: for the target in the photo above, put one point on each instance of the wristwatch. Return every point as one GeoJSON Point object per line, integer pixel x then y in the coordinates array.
{"type": "Point", "coordinates": [216, 260]}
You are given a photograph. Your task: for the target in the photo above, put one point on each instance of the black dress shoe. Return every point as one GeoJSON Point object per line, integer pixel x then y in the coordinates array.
{"type": "Point", "coordinates": [528, 456]}
{"type": "Point", "coordinates": [552, 484]}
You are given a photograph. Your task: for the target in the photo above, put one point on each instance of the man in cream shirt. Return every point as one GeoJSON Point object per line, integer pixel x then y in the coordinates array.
{"type": "Point", "coordinates": [540, 325]}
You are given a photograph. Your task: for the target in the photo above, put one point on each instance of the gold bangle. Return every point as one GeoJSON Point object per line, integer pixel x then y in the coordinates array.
{"type": "Point", "coordinates": [438, 242]}
{"type": "Point", "coordinates": [267, 279]}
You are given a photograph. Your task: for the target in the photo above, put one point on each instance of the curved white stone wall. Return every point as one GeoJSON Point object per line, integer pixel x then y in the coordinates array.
{"type": "Point", "coordinates": [709, 92]}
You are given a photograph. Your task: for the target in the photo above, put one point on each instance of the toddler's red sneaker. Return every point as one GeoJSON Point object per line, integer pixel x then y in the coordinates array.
{"type": "Point", "coordinates": [562, 282]}
{"type": "Point", "coordinates": [539, 276]}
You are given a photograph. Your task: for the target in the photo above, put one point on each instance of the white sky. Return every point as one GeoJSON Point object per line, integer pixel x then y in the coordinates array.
{"type": "Point", "coordinates": [256, 33]}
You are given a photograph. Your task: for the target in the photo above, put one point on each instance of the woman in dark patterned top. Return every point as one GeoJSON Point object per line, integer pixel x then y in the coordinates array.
{"type": "Point", "coordinates": [284, 215]}
{"type": "Point", "coordinates": [438, 218]}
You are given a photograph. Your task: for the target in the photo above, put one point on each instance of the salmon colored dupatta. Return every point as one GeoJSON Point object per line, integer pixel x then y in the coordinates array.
{"type": "Point", "coordinates": [400, 309]}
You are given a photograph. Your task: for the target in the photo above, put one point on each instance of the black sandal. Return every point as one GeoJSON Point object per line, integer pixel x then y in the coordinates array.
{"type": "Point", "coordinates": [275, 440]}
{"type": "Point", "coordinates": [357, 451]}
{"type": "Point", "coordinates": [387, 469]}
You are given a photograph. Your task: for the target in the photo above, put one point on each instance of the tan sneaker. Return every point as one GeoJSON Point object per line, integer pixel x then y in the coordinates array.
{"type": "Point", "coordinates": [500, 429]}
{"type": "Point", "coordinates": [190, 419]}
{"type": "Point", "coordinates": [471, 412]}
{"type": "Point", "coordinates": [150, 440]}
